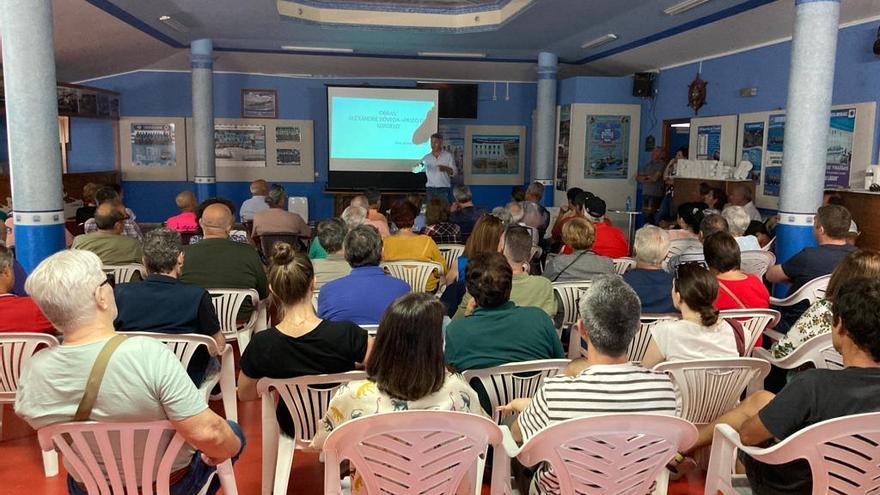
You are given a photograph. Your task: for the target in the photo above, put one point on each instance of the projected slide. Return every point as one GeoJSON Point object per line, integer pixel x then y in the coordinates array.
{"type": "Point", "coordinates": [380, 129]}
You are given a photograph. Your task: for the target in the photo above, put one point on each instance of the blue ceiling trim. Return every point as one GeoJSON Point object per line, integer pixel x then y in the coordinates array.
{"type": "Point", "coordinates": [717, 16]}
{"type": "Point", "coordinates": [378, 55]}
{"type": "Point", "coordinates": [339, 5]}
{"type": "Point", "coordinates": [136, 23]}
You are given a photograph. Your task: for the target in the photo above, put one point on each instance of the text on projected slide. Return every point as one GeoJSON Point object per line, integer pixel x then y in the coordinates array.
{"type": "Point", "coordinates": [379, 129]}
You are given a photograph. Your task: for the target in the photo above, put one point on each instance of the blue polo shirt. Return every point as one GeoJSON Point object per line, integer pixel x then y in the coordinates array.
{"type": "Point", "coordinates": [360, 297]}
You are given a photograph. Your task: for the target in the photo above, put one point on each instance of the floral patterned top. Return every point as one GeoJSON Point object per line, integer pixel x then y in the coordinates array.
{"type": "Point", "coordinates": [815, 321]}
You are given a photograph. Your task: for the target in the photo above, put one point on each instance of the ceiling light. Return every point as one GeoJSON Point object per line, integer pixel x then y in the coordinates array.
{"type": "Point", "coordinates": [683, 6]}
{"type": "Point", "coordinates": [608, 38]}
{"type": "Point", "coordinates": [685, 124]}
{"type": "Point", "coordinates": [453, 54]}
{"type": "Point", "coordinates": [174, 24]}
{"type": "Point", "coordinates": [326, 49]}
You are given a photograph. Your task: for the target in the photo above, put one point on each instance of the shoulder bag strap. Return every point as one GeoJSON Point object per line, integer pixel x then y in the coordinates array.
{"type": "Point", "coordinates": [96, 376]}
{"type": "Point", "coordinates": [732, 295]}
{"type": "Point", "coordinates": [569, 265]}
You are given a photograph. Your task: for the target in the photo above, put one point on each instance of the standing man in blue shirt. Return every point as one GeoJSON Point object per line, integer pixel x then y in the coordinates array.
{"type": "Point", "coordinates": [439, 167]}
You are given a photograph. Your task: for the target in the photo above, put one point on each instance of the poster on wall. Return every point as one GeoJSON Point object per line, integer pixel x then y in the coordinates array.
{"type": "Point", "coordinates": [495, 154]}
{"type": "Point", "coordinates": [709, 142]}
{"type": "Point", "coordinates": [153, 145]}
{"type": "Point", "coordinates": [259, 104]}
{"type": "Point", "coordinates": [607, 147]}
{"type": "Point", "coordinates": [753, 147]}
{"type": "Point", "coordinates": [775, 150]}
{"type": "Point", "coordinates": [240, 145]}
{"type": "Point", "coordinates": [287, 157]}
{"type": "Point", "coordinates": [840, 146]}
{"type": "Point", "coordinates": [288, 135]}
{"type": "Point", "coordinates": [453, 142]}
{"type": "Point", "coordinates": [562, 148]}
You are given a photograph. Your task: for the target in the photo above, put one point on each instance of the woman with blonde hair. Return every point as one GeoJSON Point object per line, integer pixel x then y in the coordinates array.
{"type": "Point", "coordinates": [485, 238]}
{"type": "Point", "coordinates": [582, 264]}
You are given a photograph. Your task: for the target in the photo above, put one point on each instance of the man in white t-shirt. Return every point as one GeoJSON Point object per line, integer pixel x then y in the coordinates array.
{"type": "Point", "coordinates": [439, 167]}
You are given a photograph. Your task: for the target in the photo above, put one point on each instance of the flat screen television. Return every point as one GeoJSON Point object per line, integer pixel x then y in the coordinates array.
{"type": "Point", "coordinates": [457, 101]}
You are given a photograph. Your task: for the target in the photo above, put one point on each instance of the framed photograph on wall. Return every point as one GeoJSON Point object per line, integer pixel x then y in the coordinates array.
{"type": "Point", "coordinates": [259, 104]}
{"type": "Point", "coordinates": [494, 155]}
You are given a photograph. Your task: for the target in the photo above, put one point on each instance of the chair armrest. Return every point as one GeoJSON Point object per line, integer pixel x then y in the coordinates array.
{"type": "Point", "coordinates": [773, 335]}
{"type": "Point", "coordinates": [507, 441]}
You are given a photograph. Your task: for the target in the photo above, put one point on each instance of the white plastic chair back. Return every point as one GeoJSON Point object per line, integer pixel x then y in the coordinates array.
{"type": "Point", "coordinates": [642, 339]}
{"type": "Point", "coordinates": [227, 304]}
{"type": "Point", "coordinates": [371, 329]}
{"type": "Point", "coordinates": [415, 273]}
{"type": "Point", "coordinates": [769, 246]}
{"type": "Point", "coordinates": [92, 449]}
{"type": "Point", "coordinates": [843, 453]}
{"type": "Point", "coordinates": [307, 403]}
{"type": "Point", "coordinates": [754, 322]}
{"type": "Point", "coordinates": [416, 452]}
{"type": "Point", "coordinates": [819, 351]}
{"type": "Point", "coordinates": [757, 262]}
{"type": "Point", "coordinates": [621, 265]}
{"type": "Point", "coordinates": [450, 253]}
{"type": "Point", "coordinates": [811, 292]}
{"type": "Point", "coordinates": [514, 380]}
{"type": "Point", "coordinates": [609, 454]}
{"type": "Point", "coordinates": [708, 388]}
{"type": "Point", "coordinates": [677, 248]}
{"type": "Point", "coordinates": [569, 294]}
{"type": "Point", "coordinates": [16, 349]}
{"type": "Point", "coordinates": [124, 273]}
{"type": "Point", "coordinates": [315, 294]}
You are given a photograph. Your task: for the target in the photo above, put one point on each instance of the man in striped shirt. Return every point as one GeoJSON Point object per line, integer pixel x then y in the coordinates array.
{"type": "Point", "coordinates": [608, 383]}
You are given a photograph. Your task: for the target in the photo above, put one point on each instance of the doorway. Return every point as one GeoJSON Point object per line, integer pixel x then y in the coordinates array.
{"type": "Point", "coordinates": [676, 135]}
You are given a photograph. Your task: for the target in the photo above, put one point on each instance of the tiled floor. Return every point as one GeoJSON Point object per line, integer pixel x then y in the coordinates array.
{"type": "Point", "coordinates": [21, 469]}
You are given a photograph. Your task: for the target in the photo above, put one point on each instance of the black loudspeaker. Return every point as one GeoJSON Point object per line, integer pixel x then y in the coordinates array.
{"type": "Point", "coordinates": [643, 84]}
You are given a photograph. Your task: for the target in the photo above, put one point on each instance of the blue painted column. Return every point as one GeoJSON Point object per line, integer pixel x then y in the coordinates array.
{"type": "Point", "coordinates": [202, 63]}
{"type": "Point", "coordinates": [545, 135]}
{"type": "Point", "coordinates": [32, 129]}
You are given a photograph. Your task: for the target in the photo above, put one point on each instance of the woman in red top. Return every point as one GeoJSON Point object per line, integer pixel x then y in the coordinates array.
{"type": "Point", "coordinates": [736, 289]}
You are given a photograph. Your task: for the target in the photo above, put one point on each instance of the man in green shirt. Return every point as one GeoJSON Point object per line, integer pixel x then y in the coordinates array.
{"type": "Point", "coordinates": [498, 331]}
{"type": "Point", "coordinates": [527, 290]}
{"type": "Point", "coordinates": [219, 263]}
{"type": "Point", "coordinates": [108, 242]}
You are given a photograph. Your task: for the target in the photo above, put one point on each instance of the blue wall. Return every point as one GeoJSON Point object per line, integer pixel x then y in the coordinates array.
{"type": "Point", "coordinates": [168, 94]}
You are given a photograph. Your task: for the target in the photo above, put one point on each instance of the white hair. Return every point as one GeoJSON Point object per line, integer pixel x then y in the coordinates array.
{"type": "Point", "coordinates": [737, 220]}
{"type": "Point", "coordinates": [63, 286]}
{"type": "Point", "coordinates": [361, 201]}
{"type": "Point", "coordinates": [651, 245]}
{"type": "Point", "coordinates": [610, 310]}
{"type": "Point", "coordinates": [354, 216]}
{"type": "Point", "coordinates": [516, 212]}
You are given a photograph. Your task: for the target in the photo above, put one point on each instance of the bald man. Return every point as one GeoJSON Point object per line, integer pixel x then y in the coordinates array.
{"type": "Point", "coordinates": [186, 220]}
{"type": "Point", "coordinates": [108, 242]}
{"type": "Point", "coordinates": [217, 262]}
{"type": "Point", "coordinates": [257, 203]}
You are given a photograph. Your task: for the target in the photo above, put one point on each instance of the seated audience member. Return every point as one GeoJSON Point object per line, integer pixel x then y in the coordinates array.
{"type": "Point", "coordinates": [301, 343]}
{"type": "Point", "coordinates": [651, 283]}
{"type": "Point", "coordinates": [374, 201]}
{"type": "Point", "coordinates": [738, 221]}
{"type": "Point", "coordinates": [575, 209]}
{"type": "Point", "coordinates": [834, 198]}
{"type": "Point", "coordinates": [234, 234]}
{"type": "Point", "coordinates": [605, 383]}
{"type": "Point", "coordinates": [741, 195]}
{"type": "Point", "coordinates": [700, 333]}
{"type": "Point", "coordinates": [351, 217]}
{"type": "Point", "coordinates": [535, 215]}
{"type": "Point", "coordinates": [87, 210]}
{"type": "Point", "coordinates": [276, 219]}
{"type": "Point", "coordinates": [484, 239]}
{"type": "Point", "coordinates": [220, 263]}
{"type": "Point", "coordinates": [714, 197]}
{"type": "Point", "coordinates": [17, 314]}
{"type": "Point", "coordinates": [817, 319]}
{"type": "Point", "coordinates": [516, 218]}
{"type": "Point", "coordinates": [689, 216]}
{"type": "Point", "coordinates": [164, 304]}
{"type": "Point", "coordinates": [332, 234]}
{"type": "Point", "coordinates": [685, 250]}
{"type": "Point", "coordinates": [497, 331]}
{"type": "Point", "coordinates": [380, 225]}
{"type": "Point", "coordinates": [9, 229]}
{"type": "Point", "coordinates": [363, 295]}
{"type": "Point", "coordinates": [20, 278]}
{"type": "Point", "coordinates": [737, 290]}
{"type": "Point", "coordinates": [437, 224]}
{"type": "Point", "coordinates": [464, 213]}
{"type": "Point", "coordinates": [419, 223]}
{"type": "Point", "coordinates": [113, 194]}
{"type": "Point", "coordinates": [108, 242]}
{"type": "Point", "coordinates": [143, 381]}
{"type": "Point", "coordinates": [527, 290]}
{"type": "Point", "coordinates": [186, 220]}
{"type": "Point", "coordinates": [517, 194]}
{"type": "Point", "coordinates": [582, 263]}
{"type": "Point", "coordinates": [407, 245]}
{"type": "Point", "coordinates": [256, 203]}
{"type": "Point", "coordinates": [759, 230]}
{"type": "Point", "coordinates": [610, 240]}
{"type": "Point", "coordinates": [814, 395]}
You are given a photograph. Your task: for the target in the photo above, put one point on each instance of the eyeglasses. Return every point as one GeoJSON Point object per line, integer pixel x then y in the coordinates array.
{"type": "Point", "coordinates": [110, 280]}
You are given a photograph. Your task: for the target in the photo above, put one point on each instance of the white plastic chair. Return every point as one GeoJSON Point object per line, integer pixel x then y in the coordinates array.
{"type": "Point", "coordinates": [678, 248]}
{"type": "Point", "coordinates": [843, 454]}
{"type": "Point", "coordinates": [708, 388]}
{"type": "Point", "coordinates": [227, 303]}
{"type": "Point", "coordinates": [514, 380]}
{"type": "Point", "coordinates": [569, 294]}
{"type": "Point", "coordinates": [119, 445]}
{"type": "Point", "coordinates": [185, 345]}
{"type": "Point", "coordinates": [811, 291]}
{"type": "Point", "coordinates": [757, 262]}
{"type": "Point", "coordinates": [608, 454]}
{"type": "Point", "coordinates": [415, 273]}
{"type": "Point", "coordinates": [642, 339]}
{"type": "Point", "coordinates": [621, 265]}
{"type": "Point", "coordinates": [450, 253]}
{"type": "Point", "coordinates": [124, 273]}
{"type": "Point", "coordinates": [315, 294]}
{"type": "Point", "coordinates": [371, 329]}
{"type": "Point", "coordinates": [769, 246]}
{"type": "Point", "coordinates": [819, 350]}
{"type": "Point", "coordinates": [307, 404]}
{"type": "Point", "coordinates": [410, 452]}
{"type": "Point", "coordinates": [754, 323]}
{"type": "Point", "coordinates": [16, 349]}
